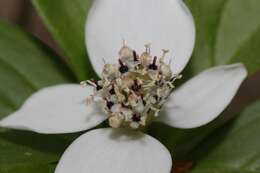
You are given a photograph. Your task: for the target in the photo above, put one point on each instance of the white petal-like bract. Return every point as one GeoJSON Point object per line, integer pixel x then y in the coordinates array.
{"type": "Point", "coordinates": [115, 151]}
{"type": "Point", "coordinates": [204, 97]}
{"type": "Point", "coordinates": [57, 109]}
{"type": "Point", "coordinates": [166, 24]}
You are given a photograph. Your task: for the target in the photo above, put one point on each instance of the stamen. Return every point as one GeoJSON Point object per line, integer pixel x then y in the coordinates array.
{"type": "Point", "coordinates": [123, 68]}
{"type": "Point", "coordinates": [174, 78]}
{"type": "Point", "coordinates": [91, 82]}
{"type": "Point", "coordinates": [143, 100]}
{"type": "Point", "coordinates": [135, 56]}
{"type": "Point", "coordinates": [153, 66]}
{"type": "Point", "coordinates": [98, 87]}
{"type": "Point", "coordinates": [136, 87]}
{"type": "Point", "coordinates": [83, 83]}
{"type": "Point", "coordinates": [147, 48]}
{"type": "Point", "coordinates": [170, 85]}
{"type": "Point", "coordinates": [163, 55]}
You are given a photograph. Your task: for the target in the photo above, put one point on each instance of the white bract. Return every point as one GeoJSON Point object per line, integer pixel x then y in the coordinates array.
{"type": "Point", "coordinates": [132, 93]}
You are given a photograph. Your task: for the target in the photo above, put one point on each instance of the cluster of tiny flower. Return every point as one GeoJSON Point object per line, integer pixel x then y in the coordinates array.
{"type": "Point", "coordinates": [133, 91]}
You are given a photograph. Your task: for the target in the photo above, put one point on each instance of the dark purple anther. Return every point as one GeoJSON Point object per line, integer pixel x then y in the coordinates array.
{"type": "Point", "coordinates": [123, 68]}
{"type": "Point", "coordinates": [112, 91]}
{"type": "Point", "coordinates": [153, 66]}
{"type": "Point", "coordinates": [120, 62]}
{"type": "Point", "coordinates": [156, 97]}
{"type": "Point", "coordinates": [136, 87]}
{"type": "Point", "coordinates": [135, 56]}
{"type": "Point", "coordinates": [136, 118]}
{"type": "Point", "coordinates": [144, 102]}
{"type": "Point", "coordinates": [109, 104]}
{"type": "Point", "coordinates": [98, 87]}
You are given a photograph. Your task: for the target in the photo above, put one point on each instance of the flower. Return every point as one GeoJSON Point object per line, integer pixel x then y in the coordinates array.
{"type": "Point", "coordinates": [133, 92]}
{"type": "Point", "coordinates": [62, 108]}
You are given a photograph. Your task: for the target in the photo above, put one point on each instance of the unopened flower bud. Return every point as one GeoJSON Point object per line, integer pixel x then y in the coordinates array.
{"type": "Point", "coordinates": [139, 107]}
{"type": "Point", "coordinates": [134, 125]}
{"type": "Point", "coordinates": [115, 121]}
{"type": "Point", "coordinates": [127, 81]}
{"type": "Point", "coordinates": [116, 108]}
{"type": "Point", "coordinates": [126, 54]}
{"type": "Point", "coordinates": [166, 71]}
{"type": "Point", "coordinates": [146, 59]}
{"type": "Point", "coordinates": [110, 71]}
{"type": "Point", "coordinates": [132, 99]}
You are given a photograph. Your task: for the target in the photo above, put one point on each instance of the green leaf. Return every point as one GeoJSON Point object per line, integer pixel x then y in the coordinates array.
{"type": "Point", "coordinates": [26, 152]}
{"type": "Point", "coordinates": [26, 66]}
{"type": "Point", "coordinates": [66, 21]}
{"type": "Point", "coordinates": [249, 53]}
{"type": "Point", "coordinates": [233, 148]}
{"type": "Point", "coordinates": [180, 142]}
{"type": "Point", "coordinates": [206, 14]}
{"type": "Point", "coordinates": [228, 31]}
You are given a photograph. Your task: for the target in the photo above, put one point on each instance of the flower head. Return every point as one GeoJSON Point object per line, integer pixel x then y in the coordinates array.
{"type": "Point", "coordinates": [133, 92]}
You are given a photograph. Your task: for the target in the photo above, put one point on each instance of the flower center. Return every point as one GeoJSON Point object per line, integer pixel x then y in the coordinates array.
{"type": "Point", "coordinates": [133, 91]}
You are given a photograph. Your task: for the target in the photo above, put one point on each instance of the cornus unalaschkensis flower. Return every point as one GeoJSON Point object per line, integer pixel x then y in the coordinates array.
{"type": "Point", "coordinates": [133, 92]}
{"type": "Point", "coordinates": [135, 89]}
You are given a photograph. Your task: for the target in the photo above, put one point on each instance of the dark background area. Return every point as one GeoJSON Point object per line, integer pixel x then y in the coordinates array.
{"type": "Point", "coordinates": [23, 14]}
